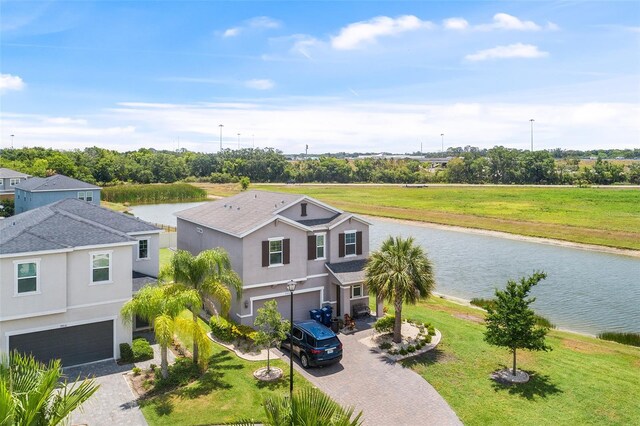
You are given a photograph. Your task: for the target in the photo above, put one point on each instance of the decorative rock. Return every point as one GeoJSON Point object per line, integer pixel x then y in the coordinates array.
{"type": "Point", "coordinates": [268, 376]}
{"type": "Point", "coordinates": [506, 376]}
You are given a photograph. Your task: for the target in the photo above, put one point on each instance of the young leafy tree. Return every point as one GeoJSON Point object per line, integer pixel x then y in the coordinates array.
{"type": "Point", "coordinates": [271, 328]}
{"type": "Point", "coordinates": [399, 272]}
{"type": "Point", "coordinates": [210, 275]}
{"type": "Point", "coordinates": [511, 323]}
{"type": "Point", "coordinates": [33, 393]}
{"type": "Point", "coordinates": [161, 306]}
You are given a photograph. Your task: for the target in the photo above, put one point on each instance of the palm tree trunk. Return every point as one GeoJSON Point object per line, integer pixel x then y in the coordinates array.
{"type": "Point", "coordinates": [397, 326]}
{"type": "Point", "coordinates": [164, 364]}
{"type": "Point", "coordinates": [195, 344]}
{"type": "Point", "coordinates": [514, 361]}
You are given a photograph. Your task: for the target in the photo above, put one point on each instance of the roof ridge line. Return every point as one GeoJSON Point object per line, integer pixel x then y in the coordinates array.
{"type": "Point", "coordinates": [91, 222]}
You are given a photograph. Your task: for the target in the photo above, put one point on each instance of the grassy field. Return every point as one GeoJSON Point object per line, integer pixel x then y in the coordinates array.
{"type": "Point", "coordinates": [581, 381]}
{"type": "Point", "coordinates": [607, 216]}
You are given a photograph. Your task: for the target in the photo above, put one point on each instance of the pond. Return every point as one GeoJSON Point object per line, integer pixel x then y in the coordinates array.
{"type": "Point", "coordinates": [585, 291]}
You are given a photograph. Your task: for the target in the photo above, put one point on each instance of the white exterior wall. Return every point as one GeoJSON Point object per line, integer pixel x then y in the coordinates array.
{"type": "Point", "coordinates": [151, 265]}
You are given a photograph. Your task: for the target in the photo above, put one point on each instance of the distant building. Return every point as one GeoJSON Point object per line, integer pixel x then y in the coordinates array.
{"type": "Point", "coordinates": [66, 269]}
{"type": "Point", "coordinates": [9, 179]}
{"type": "Point", "coordinates": [37, 192]}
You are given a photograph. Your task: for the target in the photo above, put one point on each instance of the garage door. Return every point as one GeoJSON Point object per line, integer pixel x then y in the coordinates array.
{"type": "Point", "coordinates": [73, 345]}
{"type": "Point", "coordinates": [302, 304]}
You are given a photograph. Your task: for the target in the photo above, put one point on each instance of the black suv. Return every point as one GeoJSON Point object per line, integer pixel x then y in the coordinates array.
{"type": "Point", "coordinates": [314, 344]}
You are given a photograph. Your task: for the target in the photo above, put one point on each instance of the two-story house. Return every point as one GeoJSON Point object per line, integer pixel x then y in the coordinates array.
{"type": "Point", "coordinates": [66, 269]}
{"type": "Point", "coordinates": [8, 181]}
{"type": "Point", "coordinates": [37, 192]}
{"type": "Point", "coordinates": [273, 238]}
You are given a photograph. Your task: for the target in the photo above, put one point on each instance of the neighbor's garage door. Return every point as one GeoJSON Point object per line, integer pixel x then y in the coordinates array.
{"type": "Point", "coordinates": [73, 345]}
{"type": "Point", "coordinates": [302, 304]}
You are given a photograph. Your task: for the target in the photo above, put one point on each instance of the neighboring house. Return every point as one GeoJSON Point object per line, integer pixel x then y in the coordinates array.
{"type": "Point", "coordinates": [66, 269]}
{"type": "Point", "coordinates": [8, 181]}
{"type": "Point", "coordinates": [273, 238]}
{"type": "Point", "coordinates": [37, 192]}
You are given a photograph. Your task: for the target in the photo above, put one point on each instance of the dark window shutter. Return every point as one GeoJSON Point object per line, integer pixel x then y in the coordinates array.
{"type": "Point", "coordinates": [304, 209]}
{"type": "Point", "coordinates": [340, 245]}
{"type": "Point", "coordinates": [285, 251]}
{"type": "Point", "coordinates": [311, 247]}
{"type": "Point", "coordinates": [265, 253]}
{"type": "Point", "coordinates": [359, 242]}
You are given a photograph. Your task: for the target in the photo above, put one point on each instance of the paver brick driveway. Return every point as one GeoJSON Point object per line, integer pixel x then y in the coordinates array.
{"type": "Point", "coordinates": [386, 392]}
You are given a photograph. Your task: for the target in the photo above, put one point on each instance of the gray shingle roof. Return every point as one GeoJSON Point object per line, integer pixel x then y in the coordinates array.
{"type": "Point", "coordinates": [8, 173]}
{"type": "Point", "coordinates": [53, 183]}
{"type": "Point", "coordinates": [240, 213]}
{"type": "Point", "coordinates": [65, 224]}
{"type": "Point", "coordinates": [348, 272]}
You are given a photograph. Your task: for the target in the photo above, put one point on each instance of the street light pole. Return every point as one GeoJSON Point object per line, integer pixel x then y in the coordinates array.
{"type": "Point", "coordinates": [442, 136]}
{"type": "Point", "coordinates": [221, 126]}
{"type": "Point", "coordinates": [12, 141]}
{"type": "Point", "coordinates": [291, 286]}
{"type": "Point", "coordinates": [238, 140]}
{"type": "Point", "coordinates": [532, 120]}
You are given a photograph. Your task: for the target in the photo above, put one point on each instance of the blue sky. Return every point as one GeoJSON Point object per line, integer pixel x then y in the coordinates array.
{"type": "Point", "coordinates": [338, 76]}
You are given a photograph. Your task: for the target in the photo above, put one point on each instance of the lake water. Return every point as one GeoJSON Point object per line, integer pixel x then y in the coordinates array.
{"type": "Point", "coordinates": [585, 291]}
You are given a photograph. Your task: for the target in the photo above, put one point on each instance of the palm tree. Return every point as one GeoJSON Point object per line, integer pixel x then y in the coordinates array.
{"type": "Point", "coordinates": [399, 272]}
{"type": "Point", "coordinates": [32, 393]}
{"type": "Point", "coordinates": [210, 274]}
{"type": "Point", "coordinates": [161, 305]}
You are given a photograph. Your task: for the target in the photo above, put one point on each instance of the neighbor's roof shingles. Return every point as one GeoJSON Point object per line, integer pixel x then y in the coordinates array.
{"type": "Point", "coordinates": [8, 174]}
{"type": "Point", "coordinates": [54, 183]}
{"type": "Point", "coordinates": [65, 224]}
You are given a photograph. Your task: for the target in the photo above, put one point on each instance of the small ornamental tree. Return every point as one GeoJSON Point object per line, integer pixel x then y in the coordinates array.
{"type": "Point", "coordinates": [244, 183]}
{"type": "Point", "coordinates": [511, 323]}
{"type": "Point", "coordinates": [271, 327]}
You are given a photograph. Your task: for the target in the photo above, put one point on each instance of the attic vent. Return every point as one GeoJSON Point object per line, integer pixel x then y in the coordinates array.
{"type": "Point", "coordinates": [282, 202]}
{"type": "Point", "coordinates": [225, 206]}
{"type": "Point", "coordinates": [275, 205]}
{"type": "Point", "coordinates": [255, 195]}
{"type": "Point", "coordinates": [199, 230]}
{"type": "Point", "coordinates": [238, 208]}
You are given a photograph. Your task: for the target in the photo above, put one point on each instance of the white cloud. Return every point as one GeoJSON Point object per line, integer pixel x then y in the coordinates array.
{"type": "Point", "coordinates": [504, 21]}
{"type": "Point", "coordinates": [359, 34]}
{"type": "Point", "coordinates": [517, 50]}
{"type": "Point", "coordinates": [10, 82]}
{"type": "Point", "coordinates": [65, 120]}
{"type": "Point", "coordinates": [455, 24]}
{"type": "Point", "coordinates": [304, 44]}
{"type": "Point", "coordinates": [551, 26]}
{"type": "Point", "coordinates": [259, 22]}
{"type": "Point", "coordinates": [259, 84]}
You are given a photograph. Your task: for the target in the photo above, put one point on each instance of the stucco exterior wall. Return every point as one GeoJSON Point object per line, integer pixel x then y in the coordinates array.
{"type": "Point", "coordinates": [313, 212]}
{"type": "Point", "coordinates": [349, 225]}
{"type": "Point", "coordinates": [26, 200]}
{"type": "Point", "coordinates": [151, 265]}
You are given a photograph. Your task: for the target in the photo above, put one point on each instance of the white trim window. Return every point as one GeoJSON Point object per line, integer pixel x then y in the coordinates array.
{"type": "Point", "coordinates": [356, 291]}
{"type": "Point", "coordinates": [101, 267]}
{"type": "Point", "coordinates": [276, 252]}
{"type": "Point", "coordinates": [143, 249]}
{"type": "Point", "coordinates": [81, 195]}
{"type": "Point", "coordinates": [27, 277]}
{"type": "Point", "coordinates": [88, 196]}
{"type": "Point", "coordinates": [320, 246]}
{"type": "Point", "coordinates": [350, 243]}
{"type": "Point", "coordinates": [14, 181]}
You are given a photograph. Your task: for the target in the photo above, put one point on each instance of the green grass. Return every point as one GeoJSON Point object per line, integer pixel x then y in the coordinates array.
{"type": "Point", "coordinates": [227, 392]}
{"type": "Point", "coordinates": [601, 216]}
{"type": "Point", "coordinates": [153, 193]}
{"type": "Point", "coordinates": [165, 257]}
{"type": "Point", "coordinates": [581, 381]}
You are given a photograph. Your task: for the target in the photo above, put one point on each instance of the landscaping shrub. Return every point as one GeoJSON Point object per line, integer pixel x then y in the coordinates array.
{"type": "Point", "coordinates": [411, 349]}
{"type": "Point", "coordinates": [181, 373]}
{"type": "Point", "coordinates": [403, 351]}
{"type": "Point", "coordinates": [227, 331]}
{"type": "Point", "coordinates": [142, 350]}
{"type": "Point", "coordinates": [631, 339]}
{"type": "Point", "coordinates": [432, 331]}
{"type": "Point", "coordinates": [385, 324]}
{"type": "Point", "coordinates": [426, 339]}
{"type": "Point", "coordinates": [393, 352]}
{"type": "Point", "coordinates": [136, 371]}
{"type": "Point", "coordinates": [126, 353]}
{"type": "Point", "coordinates": [385, 346]}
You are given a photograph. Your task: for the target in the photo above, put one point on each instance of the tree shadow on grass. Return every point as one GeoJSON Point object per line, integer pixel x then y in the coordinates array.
{"type": "Point", "coordinates": [162, 405]}
{"type": "Point", "coordinates": [538, 386]}
{"type": "Point", "coordinates": [212, 379]}
{"type": "Point", "coordinates": [434, 356]}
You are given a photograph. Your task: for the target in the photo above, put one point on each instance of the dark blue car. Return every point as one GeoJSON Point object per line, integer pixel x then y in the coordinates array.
{"type": "Point", "coordinates": [314, 344]}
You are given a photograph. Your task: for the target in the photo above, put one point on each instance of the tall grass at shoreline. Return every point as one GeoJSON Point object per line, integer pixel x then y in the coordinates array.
{"type": "Point", "coordinates": [631, 339]}
{"type": "Point", "coordinates": [153, 193]}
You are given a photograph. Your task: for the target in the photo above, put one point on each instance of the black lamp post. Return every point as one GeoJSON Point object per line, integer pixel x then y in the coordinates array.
{"type": "Point", "coordinates": [291, 286]}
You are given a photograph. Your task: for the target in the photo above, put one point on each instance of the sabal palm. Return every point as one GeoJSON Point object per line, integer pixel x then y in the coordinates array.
{"type": "Point", "coordinates": [162, 306]}
{"type": "Point", "coordinates": [210, 274]}
{"type": "Point", "coordinates": [32, 393]}
{"type": "Point", "coordinates": [399, 272]}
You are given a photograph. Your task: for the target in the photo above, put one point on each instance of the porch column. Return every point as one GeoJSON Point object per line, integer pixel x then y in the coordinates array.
{"type": "Point", "coordinates": [379, 307]}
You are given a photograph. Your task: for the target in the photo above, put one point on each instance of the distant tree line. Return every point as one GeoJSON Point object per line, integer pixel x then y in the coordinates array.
{"type": "Point", "coordinates": [497, 165]}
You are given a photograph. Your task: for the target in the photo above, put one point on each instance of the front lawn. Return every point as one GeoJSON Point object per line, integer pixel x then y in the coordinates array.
{"type": "Point", "coordinates": [582, 381]}
{"type": "Point", "coordinates": [226, 392]}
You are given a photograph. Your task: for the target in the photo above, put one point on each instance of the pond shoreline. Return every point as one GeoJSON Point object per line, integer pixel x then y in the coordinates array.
{"type": "Point", "coordinates": [515, 237]}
